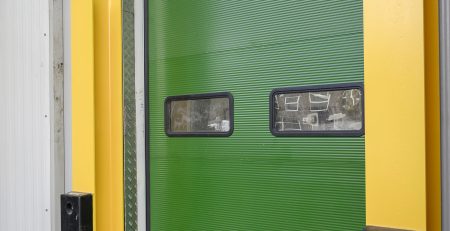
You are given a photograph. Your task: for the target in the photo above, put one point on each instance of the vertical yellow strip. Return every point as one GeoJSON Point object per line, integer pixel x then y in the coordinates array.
{"type": "Point", "coordinates": [108, 112]}
{"type": "Point", "coordinates": [395, 113]}
{"type": "Point", "coordinates": [83, 116]}
{"type": "Point", "coordinates": [432, 115]}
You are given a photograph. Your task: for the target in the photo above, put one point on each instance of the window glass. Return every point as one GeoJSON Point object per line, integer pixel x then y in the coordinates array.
{"type": "Point", "coordinates": [334, 110]}
{"type": "Point", "coordinates": [202, 115]}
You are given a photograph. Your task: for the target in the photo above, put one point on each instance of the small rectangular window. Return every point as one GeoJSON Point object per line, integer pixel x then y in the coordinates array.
{"type": "Point", "coordinates": [199, 115]}
{"type": "Point", "coordinates": [330, 110]}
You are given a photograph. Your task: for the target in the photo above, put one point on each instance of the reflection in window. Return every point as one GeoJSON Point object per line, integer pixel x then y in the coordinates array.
{"type": "Point", "coordinates": [209, 115]}
{"type": "Point", "coordinates": [337, 110]}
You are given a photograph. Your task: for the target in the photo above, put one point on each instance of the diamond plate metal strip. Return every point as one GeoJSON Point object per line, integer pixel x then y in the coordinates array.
{"type": "Point", "coordinates": [130, 170]}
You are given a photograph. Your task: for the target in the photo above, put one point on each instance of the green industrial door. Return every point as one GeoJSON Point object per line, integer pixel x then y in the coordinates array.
{"type": "Point", "coordinates": [240, 176]}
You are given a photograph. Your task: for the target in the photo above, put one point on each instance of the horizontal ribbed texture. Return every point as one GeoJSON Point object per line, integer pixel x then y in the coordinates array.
{"type": "Point", "coordinates": [252, 180]}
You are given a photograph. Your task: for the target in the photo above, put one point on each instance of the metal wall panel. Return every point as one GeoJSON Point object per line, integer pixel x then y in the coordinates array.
{"type": "Point", "coordinates": [25, 147]}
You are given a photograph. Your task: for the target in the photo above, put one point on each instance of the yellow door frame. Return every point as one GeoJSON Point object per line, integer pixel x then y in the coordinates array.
{"type": "Point", "coordinates": [97, 121]}
{"type": "Point", "coordinates": [83, 109]}
{"type": "Point", "coordinates": [402, 139]}
{"type": "Point", "coordinates": [401, 64]}
{"type": "Point", "coordinates": [108, 114]}
{"type": "Point", "coordinates": [432, 115]}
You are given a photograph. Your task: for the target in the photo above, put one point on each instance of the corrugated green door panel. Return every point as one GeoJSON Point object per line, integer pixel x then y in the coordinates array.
{"type": "Point", "coordinates": [252, 180]}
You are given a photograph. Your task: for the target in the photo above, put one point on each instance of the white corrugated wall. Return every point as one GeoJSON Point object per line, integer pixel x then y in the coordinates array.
{"type": "Point", "coordinates": [24, 116]}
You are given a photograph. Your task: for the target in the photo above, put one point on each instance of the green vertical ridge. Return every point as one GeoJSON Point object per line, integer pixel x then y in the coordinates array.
{"type": "Point", "coordinates": [253, 180]}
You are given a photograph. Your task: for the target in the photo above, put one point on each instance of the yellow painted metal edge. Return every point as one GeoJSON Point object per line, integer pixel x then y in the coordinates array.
{"type": "Point", "coordinates": [108, 112]}
{"type": "Point", "coordinates": [395, 114]}
{"type": "Point", "coordinates": [432, 89]}
{"type": "Point", "coordinates": [97, 135]}
{"type": "Point", "coordinates": [83, 115]}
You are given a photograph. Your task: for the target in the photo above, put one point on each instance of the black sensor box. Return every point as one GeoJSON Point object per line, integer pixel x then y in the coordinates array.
{"type": "Point", "coordinates": [76, 211]}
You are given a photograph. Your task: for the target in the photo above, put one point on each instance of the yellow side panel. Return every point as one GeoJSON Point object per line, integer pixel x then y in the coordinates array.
{"type": "Point", "coordinates": [432, 90]}
{"type": "Point", "coordinates": [83, 117]}
{"type": "Point", "coordinates": [83, 133]}
{"type": "Point", "coordinates": [108, 112]}
{"type": "Point", "coordinates": [395, 113]}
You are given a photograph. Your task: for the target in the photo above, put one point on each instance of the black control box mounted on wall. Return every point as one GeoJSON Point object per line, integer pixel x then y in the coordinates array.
{"type": "Point", "coordinates": [76, 212]}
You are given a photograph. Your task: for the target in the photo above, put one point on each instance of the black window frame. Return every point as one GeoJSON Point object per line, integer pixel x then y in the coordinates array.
{"type": "Point", "coordinates": [316, 88]}
{"type": "Point", "coordinates": [214, 95]}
